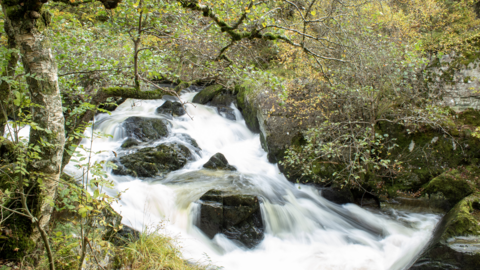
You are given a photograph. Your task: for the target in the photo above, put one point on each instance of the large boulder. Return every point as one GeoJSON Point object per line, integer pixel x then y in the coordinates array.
{"type": "Point", "coordinates": [145, 129]}
{"type": "Point", "coordinates": [171, 108]}
{"type": "Point", "coordinates": [456, 240]}
{"type": "Point", "coordinates": [454, 184]}
{"type": "Point", "coordinates": [153, 161]}
{"type": "Point", "coordinates": [236, 216]}
{"type": "Point", "coordinates": [218, 162]}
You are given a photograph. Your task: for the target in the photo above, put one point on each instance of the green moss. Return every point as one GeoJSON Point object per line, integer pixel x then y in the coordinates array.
{"type": "Point", "coordinates": [207, 94]}
{"type": "Point", "coordinates": [469, 117]}
{"type": "Point", "coordinates": [464, 218]}
{"type": "Point", "coordinates": [131, 92]}
{"type": "Point", "coordinates": [248, 109]}
{"type": "Point", "coordinates": [455, 184]}
{"type": "Point", "coordinates": [15, 242]}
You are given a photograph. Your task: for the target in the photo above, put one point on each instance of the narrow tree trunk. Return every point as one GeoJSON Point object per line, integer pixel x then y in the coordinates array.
{"type": "Point", "coordinates": [37, 59]}
{"type": "Point", "coordinates": [8, 72]}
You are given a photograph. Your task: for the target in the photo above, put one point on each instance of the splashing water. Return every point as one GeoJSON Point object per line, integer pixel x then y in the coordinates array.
{"type": "Point", "coordinates": [302, 229]}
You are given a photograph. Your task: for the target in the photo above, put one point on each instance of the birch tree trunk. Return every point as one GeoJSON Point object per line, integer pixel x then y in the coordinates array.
{"type": "Point", "coordinates": [37, 59]}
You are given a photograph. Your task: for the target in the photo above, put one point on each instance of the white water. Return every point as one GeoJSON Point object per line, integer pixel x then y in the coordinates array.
{"type": "Point", "coordinates": [303, 230]}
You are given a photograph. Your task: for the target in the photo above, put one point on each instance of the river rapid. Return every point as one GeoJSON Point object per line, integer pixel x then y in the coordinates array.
{"type": "Point", "coordinates": [302, 229]}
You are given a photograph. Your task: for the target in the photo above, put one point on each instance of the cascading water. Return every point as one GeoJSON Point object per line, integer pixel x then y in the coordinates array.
{"type": "Point", "coordinates": [302, 229]}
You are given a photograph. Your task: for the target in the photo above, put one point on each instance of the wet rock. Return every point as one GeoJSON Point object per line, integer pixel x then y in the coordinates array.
{"type": "Point", "coordinates": [218, 162]}
{"type": "Point", "coordinates": [153, 161]}
{"type": "Point", "coordinates": [171, 108]}
{"type": "Point", "coordinates": [145, 129]}
{"type": "Point", "coordinates": [207, 94]}
{"type": "Point", "coordinates": [227, 112]}
{"type": "Point", "coordinates": [338, 196]}
{"type": "Point", "coordinates": [129, 142]}
{"type": "Point", "coordinates": [188, 139]}
{"type": "Point", "coordinates": [456, 240]}
{"type": "Point", "coordinates": [236, 216]}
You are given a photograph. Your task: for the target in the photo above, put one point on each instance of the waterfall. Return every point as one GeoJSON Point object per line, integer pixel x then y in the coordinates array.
{"type": "Point", "coordinates": [302, 229]}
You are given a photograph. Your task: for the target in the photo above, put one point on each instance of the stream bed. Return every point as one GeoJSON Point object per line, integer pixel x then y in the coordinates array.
{"type": "Point", "coordinates": [302, 230]}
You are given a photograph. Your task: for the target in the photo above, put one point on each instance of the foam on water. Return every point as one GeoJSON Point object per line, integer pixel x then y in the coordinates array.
{"type": "Point", "coordinates": [303, 230]}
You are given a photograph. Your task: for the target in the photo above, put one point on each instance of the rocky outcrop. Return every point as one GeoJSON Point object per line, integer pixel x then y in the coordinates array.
{"type": "Point", "coordinates": [456, 241]}
{"type": "Point", "coordinates": [236, 216]}
{"type": "Point", "coordinates": [153, 161]}
{"type": "Point", "coordinates": [460, 75]}
{"type": "Point", "coordinates": [145, 129]}
{"type": "Point", "coordinates": [218, 162]}
{"type": "Point", "coordinates": [263, 114]}
{"type": "Point", "coordinates": [171, 108]}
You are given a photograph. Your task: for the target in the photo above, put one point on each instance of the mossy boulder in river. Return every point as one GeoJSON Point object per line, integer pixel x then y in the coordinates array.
{"type": "Point", "coordinates": [130, 142]}
{"type": "Point", "coordinates": [153, 161]}
{"type": "Point", "coordinates": [207, 94]}
{"type": "Point", "coordinates": [456, 240]}
{"type": "Point", "coordinates": [236, 216]}
{"type": "Point", "coordinates": [218, 162]}
{"type": "Point", "coordinates": [171, 108]}
{"type": "Point", "coordinates": [145, 129]}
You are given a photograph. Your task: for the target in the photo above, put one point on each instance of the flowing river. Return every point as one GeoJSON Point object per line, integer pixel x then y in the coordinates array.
{"type": "Point", "coordinates": [302, 229]}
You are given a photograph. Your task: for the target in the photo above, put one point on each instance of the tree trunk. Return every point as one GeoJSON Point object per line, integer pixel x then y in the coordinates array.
{"type": "Point", "coordinates": [8, 72]}
{"type": "Point", "coordinates": [38, 61]}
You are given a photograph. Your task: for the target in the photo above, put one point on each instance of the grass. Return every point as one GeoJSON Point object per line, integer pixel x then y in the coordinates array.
{"type": "Point", "coordinates": [153, 250]}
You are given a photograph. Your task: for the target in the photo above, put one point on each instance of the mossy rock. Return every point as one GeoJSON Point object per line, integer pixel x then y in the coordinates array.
{"type": "Point", "coordinates": [248, 109]}
{"type": "Point", "coordinates": [456, 240]}
{"type": "Point", "coordinates": [464, 218]}
{"type": "Point", "coordinates": [455, 184]}
{"type": "Point", "coordinates": [145, 129]}
{"type": "Point", "coordinates": [224, 98]}
{"type": "Point", "coordinates": [130, 142]}
{"type": "Point", "coordinates": [153, 161]}
{"type": "Point", "coordinates": [207, 94]}
{"type": "Point", "coordinates": [469, 117]}
{"type": "Point", "coordinates": [432, 154]}
{"type": "Point", "coordinates": [15, 242]}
